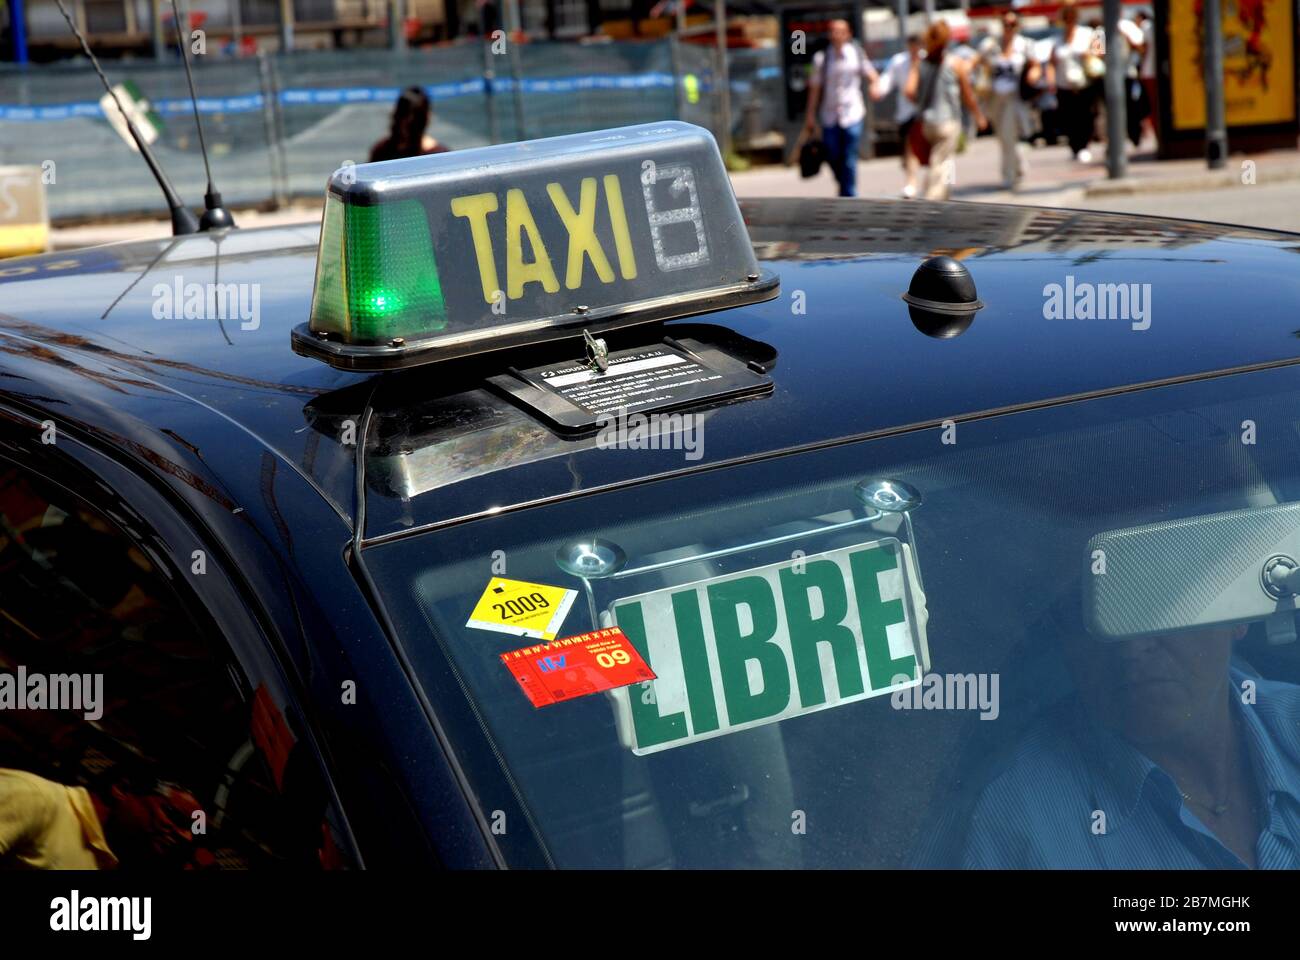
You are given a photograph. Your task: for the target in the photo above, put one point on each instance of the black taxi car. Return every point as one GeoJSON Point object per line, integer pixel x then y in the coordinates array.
{"type": "Point", "coordinates": [546, 507]}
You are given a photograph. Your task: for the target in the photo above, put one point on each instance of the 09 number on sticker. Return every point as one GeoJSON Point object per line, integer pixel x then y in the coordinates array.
{"type": "Point", "coordinates": [613, 658]}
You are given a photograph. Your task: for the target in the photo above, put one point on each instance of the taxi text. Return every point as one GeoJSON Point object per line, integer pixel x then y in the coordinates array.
{"type": "Point", "coordinates": [579, 224]}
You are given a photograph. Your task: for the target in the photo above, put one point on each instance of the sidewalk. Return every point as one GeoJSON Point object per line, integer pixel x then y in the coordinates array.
{"type": "Point", "coordinates": [1054, 178]}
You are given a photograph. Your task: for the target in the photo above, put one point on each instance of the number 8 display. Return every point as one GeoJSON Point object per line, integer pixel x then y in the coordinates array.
{"type": "Point", "coordinates": [682, 178]}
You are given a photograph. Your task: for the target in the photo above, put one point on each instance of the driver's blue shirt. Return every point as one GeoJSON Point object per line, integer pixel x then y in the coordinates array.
{"type": "Point", "coordinates": [1075, 796]}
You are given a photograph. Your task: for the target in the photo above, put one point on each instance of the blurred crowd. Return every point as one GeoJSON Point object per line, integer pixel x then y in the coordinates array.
{"type": "Point", "coordinates": [947, 88]}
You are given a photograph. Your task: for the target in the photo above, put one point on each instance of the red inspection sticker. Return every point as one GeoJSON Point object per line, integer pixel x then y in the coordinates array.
{"type": "Point", "coordinates": [577, 666]}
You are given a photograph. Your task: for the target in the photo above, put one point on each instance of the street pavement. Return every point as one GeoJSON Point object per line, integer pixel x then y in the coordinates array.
{"type": "Point", "coordinates": [1261, 190]}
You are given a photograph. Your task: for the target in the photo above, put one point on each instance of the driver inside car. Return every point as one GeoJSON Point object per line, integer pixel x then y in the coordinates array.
{"type": "Point", "coordinates": [1173, 754]}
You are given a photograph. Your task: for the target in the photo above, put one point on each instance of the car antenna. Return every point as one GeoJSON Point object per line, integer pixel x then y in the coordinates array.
{"type": "Point", "coordinates": [183, 219]}
{"type": "Point", "coordinates": [215, 216]}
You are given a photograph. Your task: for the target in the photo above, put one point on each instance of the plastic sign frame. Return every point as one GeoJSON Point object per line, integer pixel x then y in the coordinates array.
{"type": "Point", "coordinates": [443, 256]}
{"type": "Point", "coordinates": [657, 600]}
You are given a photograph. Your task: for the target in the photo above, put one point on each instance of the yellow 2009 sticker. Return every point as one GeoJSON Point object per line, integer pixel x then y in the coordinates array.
{"type": "Point", "coordinates": [522, 609]}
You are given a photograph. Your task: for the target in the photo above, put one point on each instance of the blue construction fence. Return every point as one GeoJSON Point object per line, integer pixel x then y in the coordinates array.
{"type": "Point", "coordinates": [278, 125]}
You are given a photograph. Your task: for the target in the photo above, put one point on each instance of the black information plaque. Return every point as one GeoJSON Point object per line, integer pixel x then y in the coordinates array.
{"type": "Point", "coordinates": [576, 398]}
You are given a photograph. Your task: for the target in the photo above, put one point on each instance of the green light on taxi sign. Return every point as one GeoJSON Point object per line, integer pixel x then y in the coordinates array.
{"type": "Point", "coordinates": [376, 277]}
{"type": "Point", "coordinates": [436, 257]}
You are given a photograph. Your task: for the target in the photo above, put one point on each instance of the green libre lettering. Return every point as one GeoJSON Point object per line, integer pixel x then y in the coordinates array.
{"type": "Point", "coordinates": [764, 646]}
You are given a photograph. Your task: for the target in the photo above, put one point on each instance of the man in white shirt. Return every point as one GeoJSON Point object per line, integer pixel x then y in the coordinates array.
{"type": "Point", "coordinates": [894, 77]}
{"type": "Point", "coordinates": [835, 100]}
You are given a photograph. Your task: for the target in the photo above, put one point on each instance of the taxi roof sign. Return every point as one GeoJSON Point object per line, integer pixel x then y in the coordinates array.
{"type": "Point", "coordinates": [441, 256]}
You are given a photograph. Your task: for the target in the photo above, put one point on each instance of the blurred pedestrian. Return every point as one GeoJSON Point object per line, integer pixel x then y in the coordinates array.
{"type": "Point", "coordinates": [959, 46]}
{"type": "Point", "coordinates": [939, 85]}
{"type": "Point", "coordinates": [1010, 61]}
{"type": "Point", "coordinates": [894, 77]}
{"type": "Point", "coordinates": [1077, 54]}
{"type": "Point", "coordinates": [1138, 105]}
{"type": "Point", "coordinates": [835, 100]}
{"type": "Point", "coordinates": [406, 131]}
{"type": "Point", "coordinates": [1041, 96]}
{"type": "Point", "coordinates": [1147, 66]}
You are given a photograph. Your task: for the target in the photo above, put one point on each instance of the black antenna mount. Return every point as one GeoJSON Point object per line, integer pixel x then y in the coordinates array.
{"type": "Point", "coordinates": [215, 216]}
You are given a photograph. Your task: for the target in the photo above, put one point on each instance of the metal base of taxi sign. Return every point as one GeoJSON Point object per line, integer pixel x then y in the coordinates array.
{"type": "Point", "coordinates": [432, 258]}
{"type": "Point", "coordinates": [578, 397]}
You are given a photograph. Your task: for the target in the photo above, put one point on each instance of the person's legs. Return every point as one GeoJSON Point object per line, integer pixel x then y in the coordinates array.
{"type": "Point", "coordinates": [1065, 115]}
{"type": "Point", "coordinates": [833, 137]}
{"type": "Point", "coordinates": [1149, 84]}
{"type": "Point", "coordinates": [1081, 134]}
{"type": "Point", "coordinates": [943, 139]}
{"type": "Point", "coordinates": [849, 181]}
{"type": "Point", "coordinates": [1096, 113]}
{"type": "Point", "coordinates": [1006, 124]}
{"type": "Point", "coordinates": [911, 166]}
{"type": "Point", "coordinates": [1022, 124]}
{"type": "Point", "coordinates": [1076, 118]}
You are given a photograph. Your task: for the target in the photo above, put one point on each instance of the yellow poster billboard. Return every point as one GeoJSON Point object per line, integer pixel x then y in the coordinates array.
{"type": "Point", "coordinates": [1258, 63]}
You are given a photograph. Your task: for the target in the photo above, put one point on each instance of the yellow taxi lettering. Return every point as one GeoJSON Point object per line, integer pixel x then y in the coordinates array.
{"type": "Point", "coordinates": [618, 220]}
{"type": "Point", "coordinates": [475, 209]}
{"type": "Point", "coordinates": [581, 225]}
{"type": "Point", "coordinates": [519, 220]}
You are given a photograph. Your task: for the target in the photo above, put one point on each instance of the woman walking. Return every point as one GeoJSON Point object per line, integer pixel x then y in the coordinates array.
{"type": "Point", "coordinates": [939, 85]}
{"type": "Point", "coordinates": [1009, 60]}
{"type": "Point", "coordinates": [1077, 55]}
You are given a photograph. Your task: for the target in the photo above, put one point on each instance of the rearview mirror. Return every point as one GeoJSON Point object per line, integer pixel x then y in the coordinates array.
{"type": "Point", "coordinates": [1175, 575]}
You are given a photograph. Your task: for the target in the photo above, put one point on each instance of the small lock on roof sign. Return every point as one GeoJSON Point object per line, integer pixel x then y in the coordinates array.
{"type": "Point", "coordinates": [435, 257]}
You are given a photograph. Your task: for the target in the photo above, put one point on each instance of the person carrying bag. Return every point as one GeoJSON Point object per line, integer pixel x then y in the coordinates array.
{"type": "Point", "coordinates": [835, 98]}
{"type": "Point", "coordinates": [916, 137]}
{"type": "Point", "coordinates": [939, 99]}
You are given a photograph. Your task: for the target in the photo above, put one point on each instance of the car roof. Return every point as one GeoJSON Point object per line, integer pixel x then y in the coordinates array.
{"type": "Point", "coordinates": [849, 361]}
{"type": "Point", "coordinates": [92, 312]}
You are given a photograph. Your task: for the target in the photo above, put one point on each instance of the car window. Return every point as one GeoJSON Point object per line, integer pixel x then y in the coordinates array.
{"type": "Point", "coordinates": [131, 736]}
{"type": "Point", "coordinates": [1062, 655]}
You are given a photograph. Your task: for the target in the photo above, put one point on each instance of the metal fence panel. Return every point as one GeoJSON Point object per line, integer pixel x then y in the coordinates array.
{"type": "Point", "coordinates": [51, 112]}
{"type": "Point", "coordinates": [571, 88]}
{"type": "Point", "coordinates": [277, 126]}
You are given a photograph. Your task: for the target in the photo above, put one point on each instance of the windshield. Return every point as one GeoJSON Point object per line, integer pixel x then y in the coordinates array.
{"type": "Point", "coordinates": [1067, 652]}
